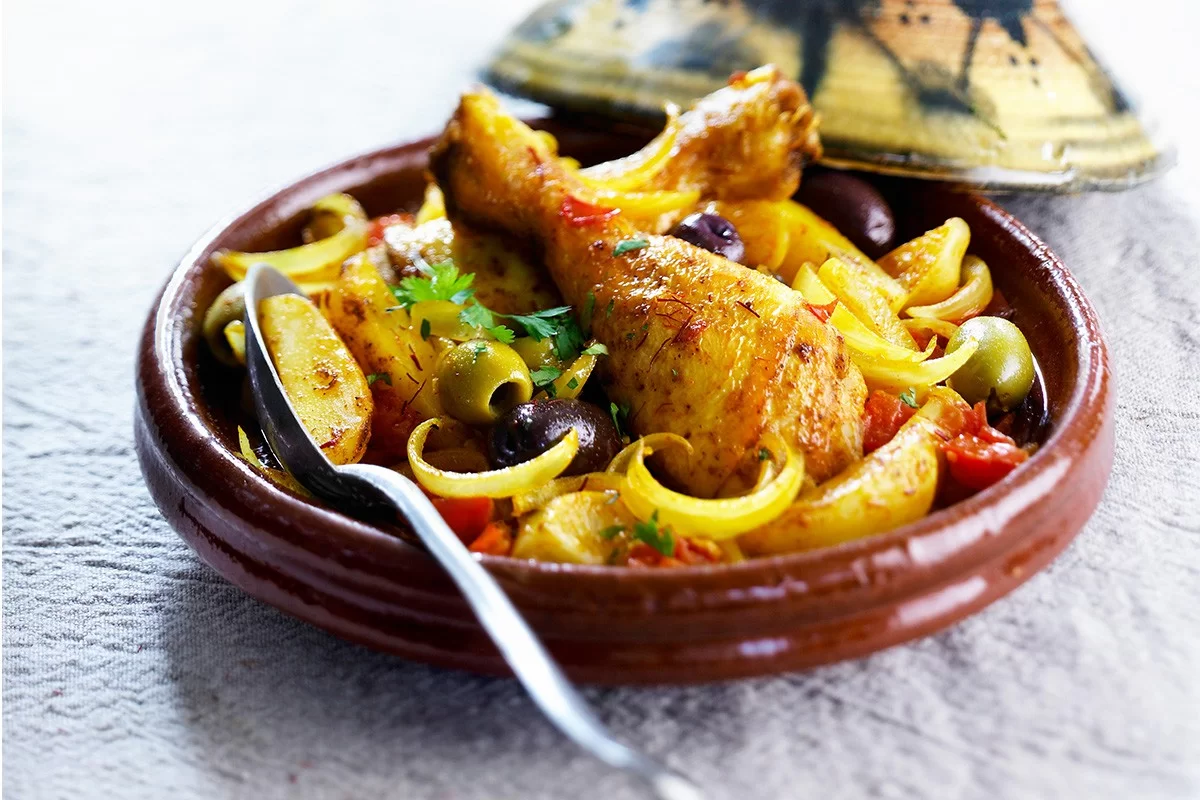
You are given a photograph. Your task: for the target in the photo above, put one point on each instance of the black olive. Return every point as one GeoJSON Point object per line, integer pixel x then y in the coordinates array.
{"type": "Point", "coordinates": [712, 232]}
{"type": "Point", "coordinates": [530, 429]}
{"type": "Point", "coordinates": [853, 206]}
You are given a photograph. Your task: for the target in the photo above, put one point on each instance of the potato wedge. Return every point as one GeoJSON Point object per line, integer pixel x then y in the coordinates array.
{"type": "Point", "coordinates": [386, 347]}
{"type": "Point", "coordinates": [324, 382]}
{"type": "Point", "coordinates": [891, 487]}
{"type": "Point", "coordinates": [504, 280]}
{"type": "Point", "coordinates": [567, 529]}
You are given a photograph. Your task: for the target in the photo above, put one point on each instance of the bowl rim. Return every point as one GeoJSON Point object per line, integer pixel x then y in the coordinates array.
{"type": "Point", "coordinates": [161, 370]}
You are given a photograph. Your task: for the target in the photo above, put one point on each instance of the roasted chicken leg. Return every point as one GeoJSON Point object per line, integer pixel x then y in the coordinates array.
{"type": "Point", "coordinates": [699, 345]}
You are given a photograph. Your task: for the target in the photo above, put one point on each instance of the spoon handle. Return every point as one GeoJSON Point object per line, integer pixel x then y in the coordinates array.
{"type": "Point", "coordinates": [533, 666]}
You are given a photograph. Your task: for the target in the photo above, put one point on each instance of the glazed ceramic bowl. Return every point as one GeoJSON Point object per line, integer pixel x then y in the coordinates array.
{"type": "Point", "coordinates": [370, 584]}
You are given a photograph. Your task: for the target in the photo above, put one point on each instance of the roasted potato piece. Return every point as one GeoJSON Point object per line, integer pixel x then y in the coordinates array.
{"type": "Point", "coordinates": [504, 280]}
{"type": "Point", "coordinates": [382, 341]}
{"type": "Point", "coordinates": [567, 529]}
{"type": "Point", "coordinates": [891, 487]}
{"type": "Point", "coordinates": [324, 382]}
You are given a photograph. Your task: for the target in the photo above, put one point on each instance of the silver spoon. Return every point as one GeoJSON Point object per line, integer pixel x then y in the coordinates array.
{"type": "Point", "coordinates": [363, 488]}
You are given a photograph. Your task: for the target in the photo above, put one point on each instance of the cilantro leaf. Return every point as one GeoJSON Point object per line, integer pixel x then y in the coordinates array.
{"type": "Point", "coordinates": [545, 375]}
{"type": "Point", "coordinates": [660, 538]}
{"type": "Point", "coordinates": [909, 398]}
{"type": "Point", "coordinates": [502, 334]}
{"type": "Point", "coordinates": [540, 324]}
{"type": "Point", "coordinates": [595, 349]}
{"type": "Point", "coordinates": [573, 383]}
{"type": "Point", "coordinates": [436, 282]}
{"type": "Point", "coordinates": [630, 245]}
{"type": "Point", "coordinates": [426, 328]}
{"type": "Point", "coordinates": [764, 454]}
{"type": "Point", "coordinates": [589, 308]}
{"type": "Point", "coordinates": [568, 340]}
{"type": "Point", "coordinates": [478, 316]}
{"type": "Point", "coordinates": [379, 376]}
{"type": "Point", "coordinates": [620, 415]}
{"type": "Point", "coordinates": [611, 531]}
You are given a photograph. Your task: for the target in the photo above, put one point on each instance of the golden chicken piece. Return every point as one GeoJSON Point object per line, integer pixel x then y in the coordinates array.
{"type": "Point", "coordinates": [747, 141]}
{"type": "Point", "coordinates": [699, 345]}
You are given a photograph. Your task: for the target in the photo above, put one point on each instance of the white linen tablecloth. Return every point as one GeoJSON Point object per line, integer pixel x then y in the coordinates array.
{"type": "Point", "coordinates": [132, 671]}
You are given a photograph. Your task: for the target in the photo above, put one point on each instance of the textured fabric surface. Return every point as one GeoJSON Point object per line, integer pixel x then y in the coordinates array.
{"type": "Point", "coordinates": [131, 670]}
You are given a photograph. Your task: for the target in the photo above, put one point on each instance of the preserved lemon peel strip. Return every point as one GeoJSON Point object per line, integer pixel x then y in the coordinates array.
{"type": "Point", "coordinates": [639, 169]}
{"type": "Point", "coordinates": [864, 340]}
{"type": "Point", "coordinates": [591, 482]}
{"type": "Point", "coordinates": [318, 261]}
{"type": "Point", "coordinates": [579, 371]}
{"type": "Point", "coordinates": [970, 299]}
{"type": "Point", "coordinates": [444, 320]}
{"type": "Point", "coordinates": [657, 441]}
{"type": "Point", "coordinates": [505, 482]}
{"type": "Point", "coordinates": [899, 376]}
{"type": "Point", "coordinates": [645, 204]}
{"type": "Point", "coordinates": [928, 325]}
{"type": "Point", "coordinates": [341, 205]}
{"type": "Point", "coordinates": [716, 519]}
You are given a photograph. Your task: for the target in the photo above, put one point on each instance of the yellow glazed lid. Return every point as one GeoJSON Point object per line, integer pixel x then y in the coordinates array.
{"type": "Point", "coordinates": [1001, 94]}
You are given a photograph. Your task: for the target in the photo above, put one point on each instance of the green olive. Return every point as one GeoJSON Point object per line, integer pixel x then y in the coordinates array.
{"type": "Point", "coordinates": [1000, 372]}
{"type": "Point", "coordinates": [481, 380]}
{"type": "Point", "coordinates": [229, 306]}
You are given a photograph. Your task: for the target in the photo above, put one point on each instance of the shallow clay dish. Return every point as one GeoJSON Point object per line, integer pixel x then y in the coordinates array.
{"type": "Point", "coordinates": [607, 624]}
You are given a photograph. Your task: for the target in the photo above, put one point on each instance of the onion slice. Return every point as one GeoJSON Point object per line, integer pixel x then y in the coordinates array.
{"type": "Point", "coordinates": [899, 376]}
{"type": "Point", "coordinates": [654, 441]}
{"type": "Point", "coordinates": [505, 482]}
{"type": "Point", "coordinates": [716, 519]}
{"type": "Point", "coordinates": [969, 301]}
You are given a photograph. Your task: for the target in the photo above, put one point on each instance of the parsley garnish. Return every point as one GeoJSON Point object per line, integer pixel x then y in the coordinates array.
{"type": "Point", "coordinates": [436, 282]}
{"type": "Point", "coordinates": [661, 539]}
{"type": "Point", "coordinates": [611, 531]}
{"type": "Point", "coordinates": [545, 375]}
{"type": "Point", "coordinates": [426, 329]}
{"type": "Point", "coordinates": [589, 307]}
{"type": "Point", "coordinates": [628, 245]}
{"type": "Point", "coordinates": [379, 376]}
{"type": "Point", "coordinates": [573, 383]}
{"type": "Point", "coordinates": [540, 324]}
{"type": "Point", "coordinates": [595, 349]}
{"type": "Point", "coordinates": [611, 305]}
{"type": "Point", "coordinates": [568, 340]}
{"type": "Point", "coordinates": [764, 454]}
{"type": "Point", "coordinates": [909, 398]}
{"type": "Point", "coordinates": [551, 390]}
{"type": "Point", "coordinates": [478, 316]}
{"type": "Point", "coordinates": [620, 415]}
{"type": "Point", "coordinates": [479, 347]}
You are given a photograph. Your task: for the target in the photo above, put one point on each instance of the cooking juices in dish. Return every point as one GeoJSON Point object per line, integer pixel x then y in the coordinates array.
{"type": "Point", "coordinates": [656, 361]}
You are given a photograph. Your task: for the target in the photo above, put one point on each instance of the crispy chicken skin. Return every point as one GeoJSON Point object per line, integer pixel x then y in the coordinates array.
{"type": "Point", "coordinates": [699, 345]}
{"type": "Point", "coordinates": [747, 141]}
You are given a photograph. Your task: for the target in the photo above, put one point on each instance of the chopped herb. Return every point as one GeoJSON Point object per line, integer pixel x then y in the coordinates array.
{"type": "Point", "coordinates": [629, 336]}
{"type": "Point", "coordinates": [540, 324]}
{"type": "Point", "coordinates": [573, 383]}
{"type": "Point", "coordinates": [551, 390]}
{"type": "Point", "coordinates": [595, 349]}
{"type": "Point", "coordinates": [661, 539]}
{"type": "Point", "coordinates": [611, 305]}
{"type": "Point", "coordinates": [674, 372]}
{"type": "Point", "coordinates": [479, 347]}
{"type": "Point", "coordinates": [545, 375]}
{"type": "Point", "coordinates": [764, 454]}
{"type": "Point", "coordinates": [379, 376]}
{"type": "Point", "coordinates": [589, 307]}
{"type": "Point", "coordinates": [612, 531]}
{"type": "Point", "coordinates": [629, 245]}
{"type": "Point", "coordinates": [620, 415]}
{"type": "Point", "coordinates": [909, 398]}
{"type": "Point", "coordinates": [426, 329]}
{"type": "Point", "coordinates": [478, 316]}
{"type": "Point", "coordinates": [436, 282]}
{"type": "Point", "coordinates": [568, 340]}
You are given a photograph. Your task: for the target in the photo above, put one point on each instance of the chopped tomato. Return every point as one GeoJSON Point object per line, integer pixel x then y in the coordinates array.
{"type": "Point", "coordinates": [466, 516]}
{"type": "Point", "coordinates": [977, 462]}
{"type": "Point", "coordinates": [643, 555]}
{"type": "Point", "coordinates": [824, 312]}
{"type": "Point", "coordinates": [693, 551]}
{"type": "Point", "coordinates": [581, 214]}
{"type": "Point", "coordinates": [375, 232]}
{"type": "Point", "coordinates": [884, 415]}
{"type": "Point", "coordinates": [495, 540]}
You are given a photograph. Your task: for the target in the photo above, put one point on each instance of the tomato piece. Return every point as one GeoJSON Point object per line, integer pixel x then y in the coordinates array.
{"type": "Point", "coordinates": [581, 214]}
{"type": "Point", "coordinates": [375, 232]}
{"type": "Point", "coordinates": [689, 551]}
{"type": "Point", "coordinates": [977, 463]}
{"type": "Point", "coordinates": [884, 415]}
{"type": "Point", "coordinates": [496, 540]}
{"type": "Point", "coordinates": [822, 312]}
{"type": "Point", "coordinates": [466, 516]}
